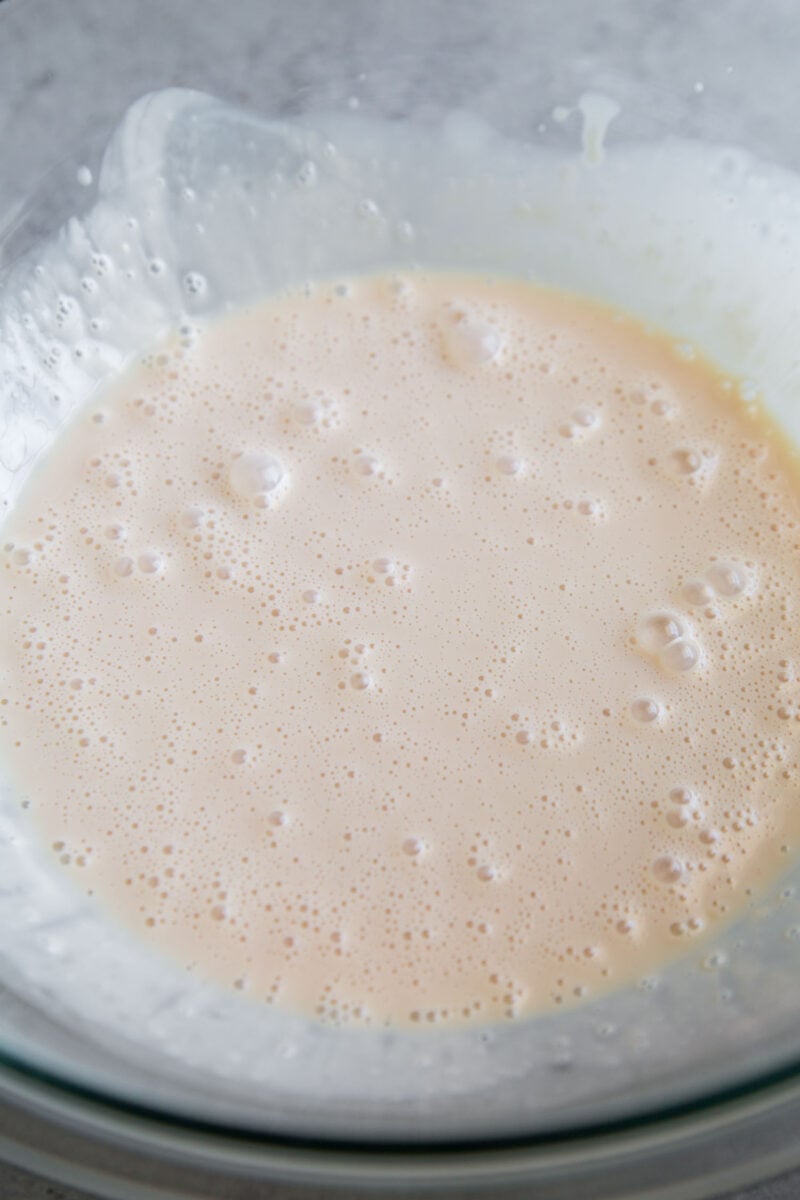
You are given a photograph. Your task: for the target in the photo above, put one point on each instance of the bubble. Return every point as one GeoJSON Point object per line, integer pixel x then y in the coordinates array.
{"type": "Point", "coordinates": [679, 656]}
{"type": "Point", "coordinates": [523, 737]}
{"type": "Point", "coordinates": [23, 557]}
{"type": "Point", "coordinates": [656, 630]}
{"type": "Point", "coordinates": [115, 532]}
{"type": "Point", "coordinates": [194, 284]}
{"type": "Point", "coordinates": [588, 508]}
{"type": "Point", "coordinates": [308, 412]}
{"type": "Point", "coordinates": [277, 818]}
{"type": "Point", "coordinates": [123, 566]}
{"type": "Point", "coordinates": [383, 566]}
{"type": "Point", "coordinates": [645, 710]}
{"type": "Point", "coordinates": [677, 819]}
{"type": "Point", "coordinates": [413, 846]}
{"type": "Point", "coordinates": [585, 418]}
{"type": "Point", "coordinates": [682, 795]}
{"type": "Point", "coordinates": [709, 836]}
{"type": "Point", "coordinates": [582, 421]}
{"type": "Point", "coordinates": [311, 596]}
{"type": "Point", "coordinates": [668, 869]}
{"type": "Point", "coordinates": [486, 873]}
{"type": "Point", "coordinates": [470, 343]}
{"type": "Point", "coordinates": [255, 473]}
{"type": "Point", "coordinates": [189, 335]}
{"type": "Point", "coordinates": [368, 464]}
{"type": "Point", "coordinates": [727, 579]}
{"type": "Point", "coordinates": [360, 680]}
{"type": "Point", "coordinates": [66, 306]}
{"type": "Point", "coordinates": [193, 518]}
{"type": "Point", "coordinates": [307, 174]}
{"type": "Point", "coordinates": [696, 592]}
{"type": "Point", "coordinates": [150, 562]}
{"type": "Point", "coordinates": [239, 757]}
{"type": "Point", "coordinates": [84, 176]}
{"type": "Point", "coordinates": [686, 461]}
{"type": "Point", "coordinates": [508, 465]}
{"type": "Point", "coordinates": [368, 208]}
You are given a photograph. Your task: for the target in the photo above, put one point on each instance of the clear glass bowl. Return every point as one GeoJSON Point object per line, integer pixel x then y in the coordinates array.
{"type": "Point", "coordinates": [677, 1088]}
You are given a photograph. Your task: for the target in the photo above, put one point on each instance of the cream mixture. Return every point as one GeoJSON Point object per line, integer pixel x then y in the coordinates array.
{"type": "Point", "coordinates": [420, 648]}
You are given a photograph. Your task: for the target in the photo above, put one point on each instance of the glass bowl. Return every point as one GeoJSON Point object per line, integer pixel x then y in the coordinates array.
{"type": "Point", "coordinates": [678, 1087]}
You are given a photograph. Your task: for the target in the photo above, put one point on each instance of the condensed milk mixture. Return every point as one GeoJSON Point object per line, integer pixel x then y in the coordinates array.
{"type": "Point", "coordinates": [417, 649]}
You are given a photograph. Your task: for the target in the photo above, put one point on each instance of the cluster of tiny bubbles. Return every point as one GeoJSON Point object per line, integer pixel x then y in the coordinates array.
{"type": "Point", "coordinates": [692, 464]}
{"type": "Point", "coordinates": [586, 507]}
{"type": "Point", "coordinates": [150, 562]}
{"type": "Point", "coordinates": [509, 464]}
{"type": "Point", "coordinates": [658, 404]}
{"type": "Point", "coordinates": [318, 411]}
{"type": "Point", "coordinates": [255, 475]}
{"type": "Point", "coordinates": [727, 579]}
{"type": "Point", "coordinates": [721, 580]}
{"type": "Point", "coordinates": [551, 733]}
{"type": "Point", "coordinates": [666, 637]}
{"type": "Point", "coordinates": [583, 421]}
{"type": "Point", "coordinates": [470, 342]}
{"type": "Point", "coordinates": [306, 175]}
{"type": "Point", "coordinates": [194, 283]}
{"type": "Point", "coordinates": [66, 308]}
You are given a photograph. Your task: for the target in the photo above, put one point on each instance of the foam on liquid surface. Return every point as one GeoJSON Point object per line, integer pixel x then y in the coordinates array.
{"type": "Point", "coordinates": [416, 650]}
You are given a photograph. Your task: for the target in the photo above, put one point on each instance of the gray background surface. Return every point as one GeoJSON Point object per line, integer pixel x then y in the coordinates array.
{"type": "Point", "coordinates": [49, 49]}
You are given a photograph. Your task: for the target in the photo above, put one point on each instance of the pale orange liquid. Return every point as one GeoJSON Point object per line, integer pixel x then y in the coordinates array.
{"type": "Point", "coordinates": [422, 653]}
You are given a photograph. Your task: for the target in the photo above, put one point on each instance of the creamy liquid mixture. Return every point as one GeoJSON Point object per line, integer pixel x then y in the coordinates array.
{"type": "Point", "coordinates": [420, 648]}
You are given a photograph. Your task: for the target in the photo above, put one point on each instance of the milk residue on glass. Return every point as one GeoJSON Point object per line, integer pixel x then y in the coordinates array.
{"type": "Point", "coordinates": [201, 210]}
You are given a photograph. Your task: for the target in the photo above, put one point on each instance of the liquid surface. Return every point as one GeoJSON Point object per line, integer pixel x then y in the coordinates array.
{"type": "Point", "coordinates": [415, 650]}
